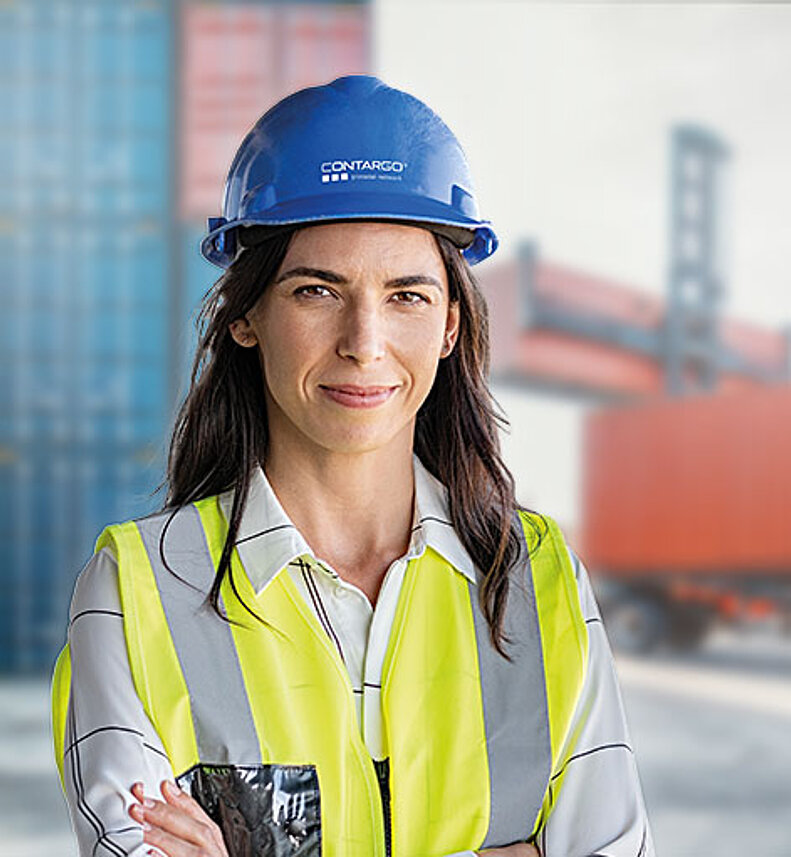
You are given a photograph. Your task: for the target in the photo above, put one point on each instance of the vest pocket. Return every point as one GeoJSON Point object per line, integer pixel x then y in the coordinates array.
{"type": "Point", "coordinates": [262, 810]}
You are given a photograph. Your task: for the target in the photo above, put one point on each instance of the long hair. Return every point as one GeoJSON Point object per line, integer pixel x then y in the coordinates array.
{"type": "Point", "coordinates": [220, 433]}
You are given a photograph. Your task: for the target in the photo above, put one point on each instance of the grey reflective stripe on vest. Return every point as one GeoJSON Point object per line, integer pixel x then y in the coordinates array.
{"type": "Point", "coordinates": [515, 712]}
{"type": "Point", "coordinates": [224, 727]}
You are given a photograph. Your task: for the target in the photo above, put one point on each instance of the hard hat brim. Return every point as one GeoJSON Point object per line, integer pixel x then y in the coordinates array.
{"type": "Point", "coordinates": [356, 206]}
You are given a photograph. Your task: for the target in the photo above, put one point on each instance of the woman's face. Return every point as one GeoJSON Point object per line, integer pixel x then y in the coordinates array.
{"type": "Point", "coordinates": [350, 332]}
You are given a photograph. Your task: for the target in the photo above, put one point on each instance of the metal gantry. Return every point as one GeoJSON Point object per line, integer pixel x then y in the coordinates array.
{"type": "Point", "coordinates": [613, 341]}
{"type": "Point", "coordinates": [691, 344]}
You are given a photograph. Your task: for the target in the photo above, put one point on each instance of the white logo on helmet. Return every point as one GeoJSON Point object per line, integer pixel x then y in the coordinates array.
{"type": "Point", "coordinates": [344, 171]}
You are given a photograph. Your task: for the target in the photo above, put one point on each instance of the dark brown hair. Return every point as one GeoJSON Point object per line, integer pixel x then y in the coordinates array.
{"type": "Point", "coordinates": [220, 433]}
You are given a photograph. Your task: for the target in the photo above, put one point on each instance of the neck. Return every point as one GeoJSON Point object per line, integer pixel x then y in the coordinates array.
{"type": "Point", "coordinates": [354, 510]}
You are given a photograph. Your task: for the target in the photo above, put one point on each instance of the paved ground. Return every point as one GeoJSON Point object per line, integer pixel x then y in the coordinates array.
{"type": "Point", "coordinates": [33, 817]}
{"type": "Point", "coordinates": [711, 733]}
{"type": "Point", "coordinates": [712, 740]}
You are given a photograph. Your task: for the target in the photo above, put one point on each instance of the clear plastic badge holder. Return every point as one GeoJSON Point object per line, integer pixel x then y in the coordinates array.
{"type": "Point", "coordinates": [262, 810]}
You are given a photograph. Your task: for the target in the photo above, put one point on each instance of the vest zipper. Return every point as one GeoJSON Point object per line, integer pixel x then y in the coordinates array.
{"type": "Point", "coordinates": [383, 776]}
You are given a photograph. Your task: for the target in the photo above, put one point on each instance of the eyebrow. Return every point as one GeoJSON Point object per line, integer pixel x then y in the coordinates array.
{"type": "Point", "coordinates": [338, 279]}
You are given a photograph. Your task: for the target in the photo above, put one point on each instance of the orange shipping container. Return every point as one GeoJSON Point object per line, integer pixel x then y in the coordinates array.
{"type": "Point", "coordinates": [691, 486]}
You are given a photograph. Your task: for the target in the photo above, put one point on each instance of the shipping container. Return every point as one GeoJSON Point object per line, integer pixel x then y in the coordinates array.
{"type": "Point", "coordinates": [688, 500]}
{"type": "Point", "coordinates": [85, 209]}
{"type": "Point", "coordinates": [237, 60]}
{"type": "Point", "coordinates": [553, 326]}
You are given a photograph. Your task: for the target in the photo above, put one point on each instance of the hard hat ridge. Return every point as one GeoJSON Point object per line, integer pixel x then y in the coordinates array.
{"type": "Point", "coordinates": [348, 150]}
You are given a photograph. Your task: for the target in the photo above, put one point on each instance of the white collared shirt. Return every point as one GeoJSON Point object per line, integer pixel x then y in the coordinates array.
{"type": "Point", "coordinates": [111, 743]}
{"type": "Point", "coordinates": [359, 632]}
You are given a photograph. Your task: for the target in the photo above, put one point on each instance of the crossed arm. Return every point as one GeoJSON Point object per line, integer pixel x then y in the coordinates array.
{"type": "Point", "coordinates": [178, 826]}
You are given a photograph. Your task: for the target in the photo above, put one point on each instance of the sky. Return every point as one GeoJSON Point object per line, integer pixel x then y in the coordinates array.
{"type": "Point", "coordinates": [565, 109]}
{"type": "Point", "coordinates": [565, 113]}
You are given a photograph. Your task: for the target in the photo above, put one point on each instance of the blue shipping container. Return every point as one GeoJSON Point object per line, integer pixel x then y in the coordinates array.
{"type": "Point", "coordinates": [86, 291]}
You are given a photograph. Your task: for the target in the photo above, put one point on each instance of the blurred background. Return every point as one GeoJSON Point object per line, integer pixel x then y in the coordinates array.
{"type": "Point", "coordinates": [634, 159]}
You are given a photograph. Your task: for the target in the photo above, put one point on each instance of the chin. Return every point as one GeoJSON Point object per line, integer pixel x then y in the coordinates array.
{"type": "Point", "coordinates": [354, 444]}
{"type": "Point", "coordinates": [354, 447]}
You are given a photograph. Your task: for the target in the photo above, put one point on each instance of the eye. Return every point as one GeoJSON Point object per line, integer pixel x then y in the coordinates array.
{"type": "Point", "coordinates": [315, 290]}
{"type": "Point", "coordinates": [410, 298]}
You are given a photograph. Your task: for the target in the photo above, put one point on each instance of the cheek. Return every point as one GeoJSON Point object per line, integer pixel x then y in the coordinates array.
{"type": "Point", "coordinates": [419, 349]}
{"type": "Point", "coordinates": [279, 367]}
{"type": "Point", "coordinates": [287, 352]}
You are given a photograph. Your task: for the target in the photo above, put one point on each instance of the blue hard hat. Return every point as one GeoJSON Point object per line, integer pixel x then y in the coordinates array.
{"type": "Point", "coordinates": [349, 150]}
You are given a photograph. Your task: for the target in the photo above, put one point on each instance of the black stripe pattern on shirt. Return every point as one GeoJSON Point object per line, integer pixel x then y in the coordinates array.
{"type": "Point", "coordinates": [93, 732]}
{"type": "Point", "coordinates": [574, 758]}
{"type": "Point", "coordinates": [436, 520]}
{"type": "Point", "coordinates": [93, 819]}
{"type": "Point", "coordinates": [590, 752]}
{"type": "Point", "coordinates": [640, 850]}
{"type": "Point", "coordinates": [114, 832]}
{"type": "Point", "coordinates": [318, 604]}
{"type": "Point", "coordinates": [264, 533]}
{"type": "Point", "coordinates": [95, 612]}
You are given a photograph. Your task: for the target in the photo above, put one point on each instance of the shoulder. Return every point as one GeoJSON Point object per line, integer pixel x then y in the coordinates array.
{"type": "Point", "coordinates": [550, 549]}
{"type": "Point", "coordinates": [98, 579]}
{"type": "Point", "coordinates": [126, 536]}
{"type": "Point", "coordinates": [542, 532]}
{"type": "Point", "coordinates": [184, 541]}
{"type": "Point", "coordinates": [96, 587]}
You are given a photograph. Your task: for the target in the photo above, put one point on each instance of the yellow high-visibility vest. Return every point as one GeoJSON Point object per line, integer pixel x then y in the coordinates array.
{"type": "Point", "coordinates": [242, 706]}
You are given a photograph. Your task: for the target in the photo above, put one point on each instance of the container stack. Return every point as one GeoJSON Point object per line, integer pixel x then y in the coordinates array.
{"type": "Point", "coordinates": [85, 210]}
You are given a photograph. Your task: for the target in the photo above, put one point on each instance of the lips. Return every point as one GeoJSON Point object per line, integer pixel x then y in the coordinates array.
{"type": "Point", "coordinates": [355, 396]}
{"type": "Point", "coordinates": [354, 390]}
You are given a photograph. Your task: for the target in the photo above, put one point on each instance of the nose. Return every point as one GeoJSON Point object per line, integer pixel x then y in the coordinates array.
{"type": "Point", "coordinates": [362, 337]}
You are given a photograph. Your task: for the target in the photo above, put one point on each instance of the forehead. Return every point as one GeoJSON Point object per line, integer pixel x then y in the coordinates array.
{"type": "Point", "coordinates": [350, 247]}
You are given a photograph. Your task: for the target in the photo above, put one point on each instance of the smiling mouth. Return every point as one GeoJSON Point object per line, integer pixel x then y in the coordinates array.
{"type": "Point", "coordinates": [353, 396]}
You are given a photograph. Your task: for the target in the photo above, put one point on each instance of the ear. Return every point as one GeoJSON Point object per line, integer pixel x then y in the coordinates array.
{"type": "Point", "coordinates": [242, 332]}
{"type": "Point", "coordinates": [451, 328]}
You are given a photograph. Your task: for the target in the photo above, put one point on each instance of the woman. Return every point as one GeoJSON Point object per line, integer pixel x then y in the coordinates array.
{"type": "Point", "coordinates": [341, 635]}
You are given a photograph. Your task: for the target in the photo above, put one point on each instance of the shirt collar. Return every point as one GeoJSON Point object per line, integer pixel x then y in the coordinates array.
{"type": "Point", "coordinates": [268, 540]}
